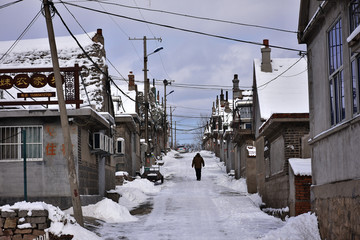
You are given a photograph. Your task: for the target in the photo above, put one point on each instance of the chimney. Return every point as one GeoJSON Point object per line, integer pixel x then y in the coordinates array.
{"type": "Point", "coordinates": [265, 57]}
{"type": "Point", "coordinates": [131, 81]}
{"type": "Point", "coordinates": [213, 108]}
{"type": "Point", "coordinates": [237, 93]}
{"type": "Point", "coordinates": [222, 101]}
{"type": "Point", "coordinates": [217, 101]}
{"type": "Point", "coordinates": [99, 38]}
{"type": "Point", "coordinates": [227, 96]}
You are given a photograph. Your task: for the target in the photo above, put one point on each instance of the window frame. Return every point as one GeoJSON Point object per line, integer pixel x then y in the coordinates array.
{"type": "Point", "coordinates": [336, 74]}
{"type": "Point", "coordinates": [353, 19]}
{"type": "Point", "coordinates": [34, 143]}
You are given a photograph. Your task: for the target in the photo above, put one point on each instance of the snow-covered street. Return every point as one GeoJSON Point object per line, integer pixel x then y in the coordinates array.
{"type": "Point", "coordinates": [217, 207]}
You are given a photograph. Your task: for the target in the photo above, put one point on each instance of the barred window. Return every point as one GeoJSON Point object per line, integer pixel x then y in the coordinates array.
{"type": "Point", "coordinates": [336, 79]}
{"type": "Point", "coordinates": [12, 141]}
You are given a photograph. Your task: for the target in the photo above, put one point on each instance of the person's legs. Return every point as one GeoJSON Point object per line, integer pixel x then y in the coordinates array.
{"type": "Point", "coordinates": [198, 173]}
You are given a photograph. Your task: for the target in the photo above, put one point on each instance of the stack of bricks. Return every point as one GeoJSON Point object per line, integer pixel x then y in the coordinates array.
{"type": "Point", "coordinates": [23, 224]}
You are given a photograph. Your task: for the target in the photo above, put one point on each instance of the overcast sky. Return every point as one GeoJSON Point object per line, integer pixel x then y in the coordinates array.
{"type": "Point", "coordinates": [187, 58]}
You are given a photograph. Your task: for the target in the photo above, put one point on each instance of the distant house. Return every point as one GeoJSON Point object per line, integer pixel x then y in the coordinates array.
{"type": "Point", "coordinates": [330, 30]}
{"type": "Point", "coordinates": [280, 121]}
{"type": "Point", "coordinates": [26, 105]}
{"type": "Point", "coordinates": [128, 156]}
{"type": "Point", "coordinates": [229, 134]}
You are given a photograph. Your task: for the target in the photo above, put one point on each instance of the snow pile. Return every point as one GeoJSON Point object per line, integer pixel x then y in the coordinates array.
{"type": "Point", "coordinates": [301, 166]}
{"type": "Point", "coordinates": [106, 210]}
{"type": "Point", "coordinates": [142, 184]}
{"type": "Point", "coordinates": [304, 226]}
{"type": "Point", "coordinates": [61, 223]}
{"type": "Point", "coordinates": [130, 197]}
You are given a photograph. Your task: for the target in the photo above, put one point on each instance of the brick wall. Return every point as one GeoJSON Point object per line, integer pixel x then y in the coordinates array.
{"type": "Point", "coordinates": [302, 194]}
{"type": "Point", "coordinates": [22, 224]}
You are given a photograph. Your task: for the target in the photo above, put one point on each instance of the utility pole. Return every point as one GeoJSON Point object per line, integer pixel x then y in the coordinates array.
{"type": "Point", "coordinates": [73, 180]}
{"type": "Point", "coordinates": [171, 129]}
{"type": "Point", "coordinates": [166, 82]}
{"type": "Point", "coordinates": [146, 89]}
{"type": "Point", "coordinates": [175, 136]}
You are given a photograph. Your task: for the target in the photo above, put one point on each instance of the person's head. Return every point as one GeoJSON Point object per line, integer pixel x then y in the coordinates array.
{"type": "Point", "coordinates": [198, 154]}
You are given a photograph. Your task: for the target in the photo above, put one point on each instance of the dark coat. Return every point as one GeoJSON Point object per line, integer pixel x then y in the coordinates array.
{"type": "Point", "coordinates": [197, 161]}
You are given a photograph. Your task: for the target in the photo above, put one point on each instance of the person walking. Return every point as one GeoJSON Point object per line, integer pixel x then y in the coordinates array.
{"type": "Point", "coordinates": [197, 162]}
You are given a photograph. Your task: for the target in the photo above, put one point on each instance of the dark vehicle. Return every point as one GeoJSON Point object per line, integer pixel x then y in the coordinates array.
{"type": "Point", "coordinates": [153, 174]}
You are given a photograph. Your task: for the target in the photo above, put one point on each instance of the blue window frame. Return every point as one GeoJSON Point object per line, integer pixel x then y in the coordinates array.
{"type": "Point", "coordinates": [354, 11]}
{"type": "Point", "coordinates": [336, 79]}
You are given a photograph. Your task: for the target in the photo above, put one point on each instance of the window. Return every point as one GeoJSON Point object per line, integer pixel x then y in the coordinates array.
{"type": "Point", "coordinates": [11, 143]}
{"type": "Point", "coordinates": [355, 74]}
{"type": "Point", "coordinates": [336, 79]}
{"type": "Point", "coordinates": [354, 14]}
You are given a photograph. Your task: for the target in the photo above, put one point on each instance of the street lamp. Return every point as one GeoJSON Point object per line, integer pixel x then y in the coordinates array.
{"type": "Point", "coordinates": [146, 90]}
{"type": "Point", "coordinates": [166, 82]}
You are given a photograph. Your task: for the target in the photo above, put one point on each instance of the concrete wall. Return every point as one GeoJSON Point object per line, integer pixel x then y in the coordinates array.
{"type": "Point", "coordinates": [335, 151]}
{"type": "Point", "coordinates": [47, 178]}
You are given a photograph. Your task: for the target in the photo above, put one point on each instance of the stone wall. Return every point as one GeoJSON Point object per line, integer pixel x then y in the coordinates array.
{"type": "Point", "coordinates": [23, 224]}
{"type": "Point", "coordinates": [337, 206]}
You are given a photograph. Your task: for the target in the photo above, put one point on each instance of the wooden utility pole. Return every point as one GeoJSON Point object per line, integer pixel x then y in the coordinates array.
{"type": "Point", "coordinates": [175, 136]}
{"type": "Point", "coordinates": [69, 154]}
{"type": "Point", "coordinates": [146, 89]}
{"type": "Point", "coordinates": [171, 129]}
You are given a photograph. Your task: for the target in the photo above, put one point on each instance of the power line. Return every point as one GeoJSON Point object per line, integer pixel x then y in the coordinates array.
{"type": "Point", "coordinates": [197, 17]}
{"type": "Point", "coordinates": [183, 29]}
{"type": "Point", "coordinates": [90, 38]}
{"type": "Point", "coordinates": [266, 83]}
{"type": "Point", "coordinates": [87, 55]}
{"type": "Point", "coordinates": [9, 4]}
{"type": "Point", "coordinates": [21, 36]}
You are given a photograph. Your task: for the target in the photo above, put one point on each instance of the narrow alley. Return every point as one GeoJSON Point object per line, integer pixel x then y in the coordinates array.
{"type": "Point", "coordinates": [190, 209]}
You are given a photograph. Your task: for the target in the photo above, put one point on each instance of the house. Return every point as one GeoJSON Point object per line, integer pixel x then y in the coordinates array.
{"type": "Point", "coordinates": [280, 121]}
{"type": "Point", "coordinates": [127, 132]}
{"type": "Point", "coordinates": [28, 104]}
{"type": "Point", "coordinates": [330, 29]}
{"type": "Point", "coordinates": [229, 134]}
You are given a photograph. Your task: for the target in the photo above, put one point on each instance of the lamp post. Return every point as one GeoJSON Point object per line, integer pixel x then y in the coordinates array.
{"type": "Point", "coordinates": [146, 92]}
{"type": "Point", "coordinates": [166, 82]}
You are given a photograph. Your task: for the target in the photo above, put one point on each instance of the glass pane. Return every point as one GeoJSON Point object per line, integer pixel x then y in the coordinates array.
{"type": "Point", "coordinates": [342, 92]}
{"type": "Point", "coordinates": [332, 107]}
{"type": "Point", "coordinates": [354, 86]}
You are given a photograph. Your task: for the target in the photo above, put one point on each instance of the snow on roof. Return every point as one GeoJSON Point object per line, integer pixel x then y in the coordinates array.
{"type": "Point", "coordinates": [301, 166]}
{"type": "Point", "coordinates": [122, 103]}
{"type": "Point", "coordinates": [35, 53]}
{"type": "Point", "coordinates": [287, 93]}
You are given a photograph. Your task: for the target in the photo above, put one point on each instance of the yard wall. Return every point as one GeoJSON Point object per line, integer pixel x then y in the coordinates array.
{"type": "Point", "coordinates": [13, 225]}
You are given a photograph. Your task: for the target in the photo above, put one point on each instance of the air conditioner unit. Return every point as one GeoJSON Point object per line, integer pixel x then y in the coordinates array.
{"type": "Point", "coordinates": [98, 141]}
{"type": "Point", "coordinates": [120, 146]}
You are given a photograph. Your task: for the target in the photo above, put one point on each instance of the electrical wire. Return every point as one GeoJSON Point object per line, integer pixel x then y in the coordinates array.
{"type": "Point", "coordinates": [107, 59]}
{"type": "Point", "coordinates": [87, 55]}
{"type": "Point", "coordinates": [183, 29]}
{"type": "Point", "coordinates": [266, 83]}
{"type": "Point", "coordinates": [21, 36]}
{"type": "Point", "coordinates": [197, 17]}
{"type": "Point", "coordinates": [9, 4]}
